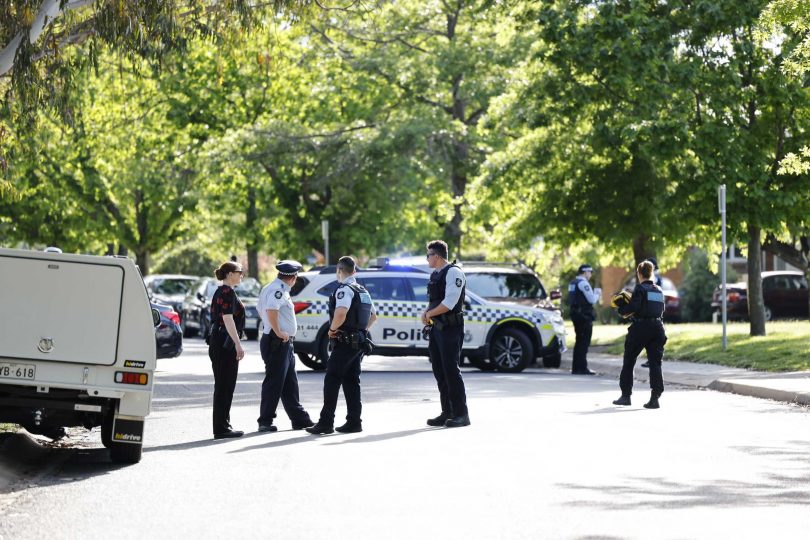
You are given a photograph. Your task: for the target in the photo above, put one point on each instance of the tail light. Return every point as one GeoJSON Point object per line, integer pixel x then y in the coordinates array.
{"type": "Point", "coordinates": [300, 306]}
{"type": "Point", "coordinates": [733, 297]}
{"type": "Point", "coordinates": [172, 316]}
{"type": "Point", "coordinates": [128, 377]}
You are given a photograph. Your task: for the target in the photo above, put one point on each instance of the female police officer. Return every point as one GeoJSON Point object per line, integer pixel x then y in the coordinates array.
{"type": "Point", "coordinates": [224, 348]}
{"type": "Point", "coordinates": [646, 309]}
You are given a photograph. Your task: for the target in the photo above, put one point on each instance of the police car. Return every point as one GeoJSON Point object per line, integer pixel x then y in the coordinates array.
{"type": "Point", "coordinates": [497, 335]}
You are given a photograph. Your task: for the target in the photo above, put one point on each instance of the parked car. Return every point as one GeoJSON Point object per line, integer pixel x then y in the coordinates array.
{"type": "Point", "coordinates": [672, 299]}
{"type": "Point", "coordinates": [168, 335]}
{"type": "Point", "coordinates": [169, 289]}
{"type": "Point", "coordinates": [785, 294]}
{"type": "Point", "coordinates": [497, 335]}
{"type": "Point", "coordinates": [196, 307]}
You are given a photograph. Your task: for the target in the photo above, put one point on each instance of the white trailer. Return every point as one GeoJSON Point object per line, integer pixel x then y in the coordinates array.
{"type": "Point", "coordinates": [77, 346]}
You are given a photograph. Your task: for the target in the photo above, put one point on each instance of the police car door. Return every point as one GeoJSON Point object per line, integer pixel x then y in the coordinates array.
{"type": "Point", "coordinates": [396, 322]}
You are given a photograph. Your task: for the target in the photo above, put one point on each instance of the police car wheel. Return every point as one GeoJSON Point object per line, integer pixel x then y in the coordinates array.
{"type": "Point", "coordinates": [187, 332]}
{"type": "Point", "coordinates": [316, 362]}
{"type": "Point", "coordinates": [511, 350]}
{"type": "Point", "coordinates": [552, 360]}
{"type": "Point", "coordinates": [251, 334]}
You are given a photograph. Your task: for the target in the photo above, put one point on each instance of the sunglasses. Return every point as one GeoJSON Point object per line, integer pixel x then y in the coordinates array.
{"type": "Point", "coordinates": [429, 255]}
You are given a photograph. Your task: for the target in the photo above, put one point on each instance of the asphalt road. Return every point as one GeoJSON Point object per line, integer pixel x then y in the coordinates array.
{"type": "Point", "coordinates": [547, 456]}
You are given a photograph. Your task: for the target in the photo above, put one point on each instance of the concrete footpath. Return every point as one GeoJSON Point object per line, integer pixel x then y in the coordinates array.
{"type": "Point", "coordinates": [792, 387]}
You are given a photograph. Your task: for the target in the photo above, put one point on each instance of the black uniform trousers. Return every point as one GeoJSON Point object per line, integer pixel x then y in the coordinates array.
{"type": "Point", "coordinates": [226, 368]}
{"type": "Point", "coordinates": [583, 327]}
{"type": "Point", "coordinates": [445, 356]}
{"type": "Point", "coordinates": [342, 369]}
{"type": "Point", "coordinates": [644, 334]}
{"type": "Point", "coordinates": [280, 382]}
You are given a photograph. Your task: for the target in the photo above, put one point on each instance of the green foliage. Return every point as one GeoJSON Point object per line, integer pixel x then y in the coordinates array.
{"type": "Point", "coordinates": [697, 288]}
{"type": "Point", "coordinates": [191, 259]}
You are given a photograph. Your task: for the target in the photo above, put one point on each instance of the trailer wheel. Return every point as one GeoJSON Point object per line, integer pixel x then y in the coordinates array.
{"type": "Point", "coordinates": [126, 452]}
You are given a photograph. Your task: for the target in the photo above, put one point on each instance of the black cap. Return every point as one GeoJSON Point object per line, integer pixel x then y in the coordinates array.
{"type": "Point", "coordinates": [654, 261]}
{"type": "Point", "coordinates": [585, 268]}
{"type": "Point", "coordinates": [289, 267]}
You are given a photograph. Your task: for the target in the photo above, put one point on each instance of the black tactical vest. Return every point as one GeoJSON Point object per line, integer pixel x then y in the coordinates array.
{"type": "Point", "coordinates": [576, 298]}
{"type": "Point", "coordinates": [359, 312]}
{"type": "Point", "coordinates": [652, 301]}
{"type": "Point", "coordinates": [437, 286]}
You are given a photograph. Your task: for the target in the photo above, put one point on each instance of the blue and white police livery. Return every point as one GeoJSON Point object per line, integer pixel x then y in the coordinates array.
{"type": "Point", "coordinates": [497, 335]}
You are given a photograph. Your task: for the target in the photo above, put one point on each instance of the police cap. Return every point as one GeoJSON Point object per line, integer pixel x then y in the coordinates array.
{"type": "Point", "coordinates": [289, 267]}
{"type": "Point", "coordinates": [585, 268]}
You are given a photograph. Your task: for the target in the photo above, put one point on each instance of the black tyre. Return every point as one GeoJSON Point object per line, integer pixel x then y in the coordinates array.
{"type": "Point", "coordinates": [316, 362]}
{"type": "Point", "coordinates": [552, 360]}
{"type": "Point", "coordinates": [484, 364]}
{"type": "Point", "coordinates": [511, 350]}
{"type": "Point", "coordinates": [204, 326]}
{"type": "Point", "coordinates": [187, 332]}
{"type": "Point", "coordinates": [251, 334]}
{"type": "Point", "coordinates": [768, 314]}
{"type": "Point", "coordinates": [126, 452]}
{"type": "Point", "coordinates": [106, 431]}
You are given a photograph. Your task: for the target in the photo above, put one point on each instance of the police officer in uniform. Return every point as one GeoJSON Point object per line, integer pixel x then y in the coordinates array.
{"type": "Point", "coordinates": [646, 309]}
{"type": "Point", "coordinates": [581, 299]}
{"type": "Point", "coordinates": [280, 380]}
{"type": "Point", "coordinates": [658, 281]}
{"type": "Point", "coordinates": [351, 314]}
{"type": "Point", "coordinates": [446, 319]}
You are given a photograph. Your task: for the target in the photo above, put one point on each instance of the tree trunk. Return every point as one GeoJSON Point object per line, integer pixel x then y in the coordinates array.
{"type": "Point", "coordinates": [756, 303]}
{"type": "Point", "coordinates": [640, 249]}
{"type": "Point", "coordinates": [251, 224]}
{"type": "Point", "coordinates": [142, 260]}
{"type": "Point", "coordinates": [458, 179]}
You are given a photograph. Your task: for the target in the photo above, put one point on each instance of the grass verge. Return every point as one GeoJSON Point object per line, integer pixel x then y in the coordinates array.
{"type": "Point", "coordinates": [785, 348]}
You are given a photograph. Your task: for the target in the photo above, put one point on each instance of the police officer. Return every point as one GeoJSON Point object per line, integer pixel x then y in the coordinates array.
{"type": "Point", "coordinates": [658, 281]}
{"type": "Point", "coordinates": [351, 314]}
{"type": "Point", "coordinates": [646, 309]}
{"type": "Point", "coordinates": [581, 299]}
{"type": "Point", "coordinates": [444, 314]}
{"type": "Point", "coordinates": [278, 320]}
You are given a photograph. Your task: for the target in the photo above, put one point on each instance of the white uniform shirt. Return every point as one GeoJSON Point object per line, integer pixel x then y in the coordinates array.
{"type": "Point", "coordinates": [276, 296]}
{"type": "Point", "coordinates": [453, 283]}
{"type": "Point", "coordinates": [591, 295]}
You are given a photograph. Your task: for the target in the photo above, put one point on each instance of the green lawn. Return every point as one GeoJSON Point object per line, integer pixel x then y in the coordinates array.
{"type": "Point", "coordinates": [785, 348]}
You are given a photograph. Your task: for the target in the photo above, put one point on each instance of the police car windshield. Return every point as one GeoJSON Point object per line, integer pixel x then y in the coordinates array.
{"type": "Point", "coordinates": [502, 285]}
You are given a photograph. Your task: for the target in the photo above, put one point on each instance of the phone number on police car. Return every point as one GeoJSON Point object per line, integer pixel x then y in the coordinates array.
{"type": "Point", "coordinates": [17, 371]}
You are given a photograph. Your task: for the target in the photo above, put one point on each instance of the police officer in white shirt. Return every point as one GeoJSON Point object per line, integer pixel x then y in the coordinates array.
{"type": "Point", "coordinates": [278, 320]}
{"type": "Point", "coordinates": [446, 317]}
{"type": "Point", "coordinates": [581, 298]}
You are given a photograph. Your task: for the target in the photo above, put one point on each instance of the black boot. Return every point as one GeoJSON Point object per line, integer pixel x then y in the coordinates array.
{"type": "Point", "coordinates": [350, 427]}
{"type": "Point", "coordinates": [624, 401]}
{"type": "Point", "coordinates": [321, 429]}
{"type": "Point", "coordinates": [457, 421]}
{"type": "Point", "coordinates": [439, 420]}
{"type": "Point", "coordinates": [653, 403]}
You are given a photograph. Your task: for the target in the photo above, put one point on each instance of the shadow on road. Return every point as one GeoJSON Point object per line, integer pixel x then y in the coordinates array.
{"type": "Point", "coordinates": [386, 436]}
{"type": "Point", "coordinates": [201, 443]}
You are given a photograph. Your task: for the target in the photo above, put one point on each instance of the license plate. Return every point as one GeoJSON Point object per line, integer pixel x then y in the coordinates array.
{"type": "Point", "coordinates": [17, 371]}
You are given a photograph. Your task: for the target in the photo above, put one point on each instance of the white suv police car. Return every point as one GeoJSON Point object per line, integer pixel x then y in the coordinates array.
{"type": "Point", "coordinates": [498, 336]}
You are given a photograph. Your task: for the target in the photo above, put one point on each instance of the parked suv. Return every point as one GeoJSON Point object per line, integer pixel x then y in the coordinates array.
{"type": "Point", "coordinates": [784, 292]}
{"type": "Point", "coordinates": [196, 308]}
{"type": "Point", "coordinates": [497, 335]}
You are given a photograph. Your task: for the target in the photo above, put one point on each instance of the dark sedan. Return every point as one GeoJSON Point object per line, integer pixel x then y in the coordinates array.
{"type": "Point", "coordinates": [784, 292]}
{"type": "Point", "coordinates": [672, 299]}
{"type": "Point", "coordinates": [168, 336]}
{"type": "Point", "coordinates": [196, 310]}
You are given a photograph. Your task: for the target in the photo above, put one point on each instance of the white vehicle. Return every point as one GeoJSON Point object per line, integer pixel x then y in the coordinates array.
{"type": "Point", "coordinates": [77, 346]}
{"type": "Point", "coordinates": [497, 335]}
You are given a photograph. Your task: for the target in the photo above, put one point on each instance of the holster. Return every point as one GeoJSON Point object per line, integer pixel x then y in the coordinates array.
{"type": "Point", "coordinates": [448, 319]}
